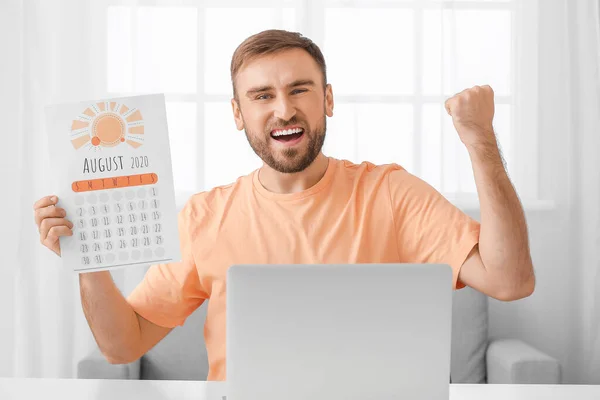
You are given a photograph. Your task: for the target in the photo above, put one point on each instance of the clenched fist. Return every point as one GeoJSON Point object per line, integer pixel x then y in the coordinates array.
{"type": "Point", "coordinates": [51, 222]}
{"type": "Point", "coordinates": [472, 112]}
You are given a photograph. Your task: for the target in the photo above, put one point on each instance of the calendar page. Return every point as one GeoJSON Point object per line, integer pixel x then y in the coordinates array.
{"type": "Point", "coordinates": [112, 162]}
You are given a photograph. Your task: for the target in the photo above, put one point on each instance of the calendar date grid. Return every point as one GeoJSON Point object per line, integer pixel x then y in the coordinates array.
{"type": "Point", "coordinates": [119, 225]}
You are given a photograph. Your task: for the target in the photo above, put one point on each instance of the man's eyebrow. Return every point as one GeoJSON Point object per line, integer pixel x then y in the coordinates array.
{"type": "Point", "coordinates": [299, 82]}
{"type": "Point", "coordinates": [258, 89]}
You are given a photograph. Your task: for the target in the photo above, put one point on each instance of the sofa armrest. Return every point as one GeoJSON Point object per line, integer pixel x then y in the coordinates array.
{"type": "Point", "coordinates": [95, 366]}
{"type": "Point", "coordinates": [512, 361]}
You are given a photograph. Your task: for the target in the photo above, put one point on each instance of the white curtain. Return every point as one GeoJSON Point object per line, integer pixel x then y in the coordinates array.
{"type": "Point", "coordinates": [69, 50]}
{"type": "Point", "coordinates": [54, 62]}
{"type": "Point", "coordinates": [584, 121]}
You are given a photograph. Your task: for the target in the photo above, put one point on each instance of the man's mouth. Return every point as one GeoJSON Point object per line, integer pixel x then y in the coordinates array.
{"type": "Point", "coordinates": [287, 135]}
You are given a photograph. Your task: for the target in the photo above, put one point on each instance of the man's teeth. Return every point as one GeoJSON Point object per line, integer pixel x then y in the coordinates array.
{"type": "Point", "coordinates": [287, 132]}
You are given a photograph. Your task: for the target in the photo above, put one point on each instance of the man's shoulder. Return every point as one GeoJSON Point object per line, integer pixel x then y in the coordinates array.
{"type": "Point", "coordinates": [208, 202]}
{"type": "Point", "coordinates": [392, 179]}
{"type": "Point", "coordinates": [369, 171]}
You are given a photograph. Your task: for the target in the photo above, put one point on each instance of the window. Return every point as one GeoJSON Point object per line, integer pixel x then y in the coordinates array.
{"type": "Point", "coordinates": [392, 64]}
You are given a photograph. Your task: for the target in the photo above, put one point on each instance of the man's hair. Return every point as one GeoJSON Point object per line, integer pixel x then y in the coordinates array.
{"type": "Point", "coordinates": [270, 42]}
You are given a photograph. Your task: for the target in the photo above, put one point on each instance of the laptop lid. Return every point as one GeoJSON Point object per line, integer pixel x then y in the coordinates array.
{"type": "Point", "coordinates": [359, 331]}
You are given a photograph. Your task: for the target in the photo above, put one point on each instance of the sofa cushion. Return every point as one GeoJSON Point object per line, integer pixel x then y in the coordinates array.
{"type": "Point", "coordinates": [181, 355]}
{"type": "Point", "coordinates": [469, 336]}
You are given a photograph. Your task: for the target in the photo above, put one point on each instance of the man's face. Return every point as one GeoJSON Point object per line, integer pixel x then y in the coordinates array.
{"type": "Point", "coordinates": [283, 108]}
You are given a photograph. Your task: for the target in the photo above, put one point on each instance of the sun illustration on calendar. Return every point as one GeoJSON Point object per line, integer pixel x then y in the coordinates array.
{"type": "Point", "coordinates": [107, 124]}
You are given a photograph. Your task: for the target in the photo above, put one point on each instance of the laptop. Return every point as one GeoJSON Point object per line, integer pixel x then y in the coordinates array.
{"type": "Point", "coordinates": [358, 331]}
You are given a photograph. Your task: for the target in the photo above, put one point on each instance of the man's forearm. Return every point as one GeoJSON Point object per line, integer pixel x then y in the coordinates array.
{"type": "Point", "coordinates": [503, 241]}
{"type": "Point", "coordinates": [113, 322]}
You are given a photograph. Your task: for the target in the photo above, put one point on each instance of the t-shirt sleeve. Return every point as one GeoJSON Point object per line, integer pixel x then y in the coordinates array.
{"type": "Point", "coordinates": [429, 228]}
{"type": "Point", "coordinates": [170, 292]}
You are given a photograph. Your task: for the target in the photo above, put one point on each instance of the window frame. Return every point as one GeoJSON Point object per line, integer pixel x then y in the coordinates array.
{"type": "Point", "coordinates": [522, 103]}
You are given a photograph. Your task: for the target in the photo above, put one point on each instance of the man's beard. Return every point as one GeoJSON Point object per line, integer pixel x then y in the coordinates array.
{"type": "Point", "coordinates": [290, 160]}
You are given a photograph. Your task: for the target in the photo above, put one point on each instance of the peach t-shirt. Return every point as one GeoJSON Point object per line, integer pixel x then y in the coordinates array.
{"type": "Point", "coordinates": [357, 213]}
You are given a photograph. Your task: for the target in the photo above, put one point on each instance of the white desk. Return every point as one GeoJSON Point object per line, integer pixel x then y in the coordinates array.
{"type": "Point", "coordinates": [92, 389]}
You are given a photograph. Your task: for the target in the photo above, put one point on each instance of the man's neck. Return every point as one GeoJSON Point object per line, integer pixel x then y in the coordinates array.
{"type": "Point", "coordinates": [278, 182]}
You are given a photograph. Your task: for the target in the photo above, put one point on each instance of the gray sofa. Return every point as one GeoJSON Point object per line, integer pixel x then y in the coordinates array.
{"type": "Point", "coordinates": [181, 355]}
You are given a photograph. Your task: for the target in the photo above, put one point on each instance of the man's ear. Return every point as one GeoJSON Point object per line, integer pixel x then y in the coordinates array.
{"type": "Point", "coordinates": [329, 100]}
{"type": "Point", "coordinates": [237, 114]}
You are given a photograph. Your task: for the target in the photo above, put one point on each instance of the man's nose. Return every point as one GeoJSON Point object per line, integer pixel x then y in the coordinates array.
{"type": "Point", "coordinates": [284, 108]}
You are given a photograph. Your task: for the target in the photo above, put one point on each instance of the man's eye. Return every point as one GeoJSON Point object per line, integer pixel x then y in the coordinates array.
{"type": "Point", "coordinates": [263, 97]}
{"type": "Point", "coordinates": [296, 91]}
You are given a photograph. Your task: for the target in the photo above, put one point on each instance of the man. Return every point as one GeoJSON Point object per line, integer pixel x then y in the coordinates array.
{"type": "Point", "coordinates": [304, 207]}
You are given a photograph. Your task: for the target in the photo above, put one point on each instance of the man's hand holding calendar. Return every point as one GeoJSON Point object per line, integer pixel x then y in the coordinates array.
{"type": "Point", "coordinates": [51, 222]}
